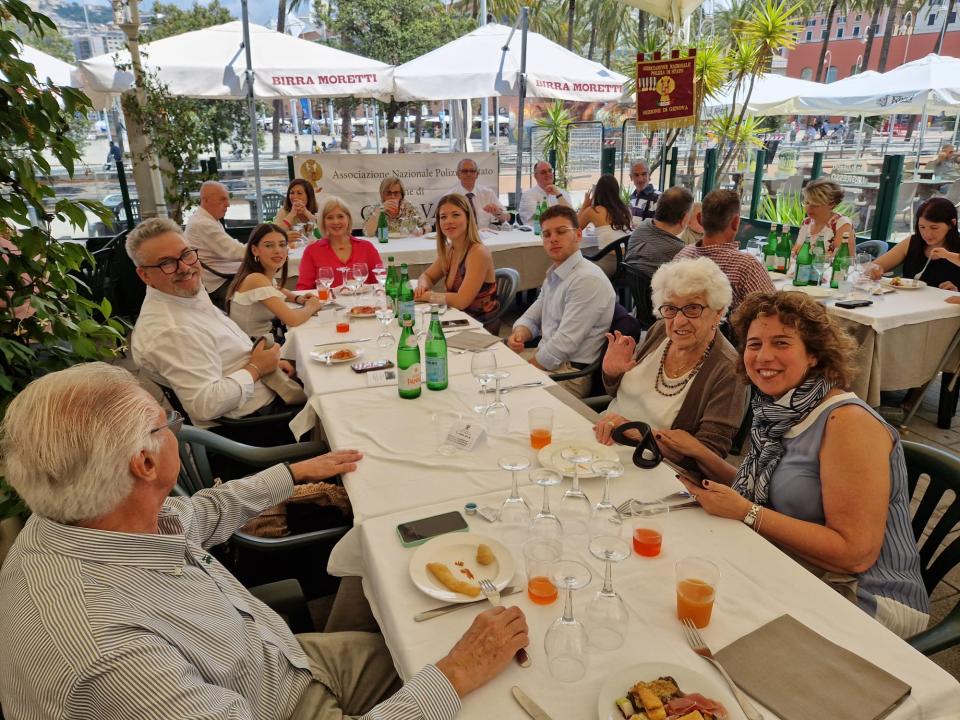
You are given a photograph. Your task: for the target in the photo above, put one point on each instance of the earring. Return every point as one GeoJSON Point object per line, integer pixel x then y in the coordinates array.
{"type": "Point", "coordinates": [256, 259]}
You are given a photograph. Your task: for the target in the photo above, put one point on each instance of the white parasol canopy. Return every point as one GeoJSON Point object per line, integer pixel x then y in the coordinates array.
{"type": "Point", "coordinates": [476, 65]}
{"type": "Point", "coordinates": [48, 67]}
{"type": "Point", "coordinates": [772, 95]}
{"type": "Point", "coordinates": [676, 11]}
{"type": "Point", "coordinates": [210, 63]}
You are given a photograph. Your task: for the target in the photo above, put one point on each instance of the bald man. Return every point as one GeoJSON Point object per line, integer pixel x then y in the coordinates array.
{"type": "Point", "coordinates": [218, 251]}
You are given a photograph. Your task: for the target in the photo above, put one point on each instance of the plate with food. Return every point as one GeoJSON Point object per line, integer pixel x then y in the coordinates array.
{"type": "Point", "coordinates": [449, 567]}
{"type": "Point", "coordinates": [661, 691]}
{"type": "Point", "coordinates": [902, 283]}
{"type": "Point", "coordinates": [337, 354]}
{"type": "Point", "coordinates": [551, 456]}
{"type": "Point", "coordinates": [363, 311]}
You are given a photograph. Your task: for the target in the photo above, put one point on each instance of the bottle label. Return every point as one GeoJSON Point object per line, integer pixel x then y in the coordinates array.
{"type": "Point", "coordinates": [436, 369]}
{"type": "Point", "coordinates": [383, 234]}
{"type": "Point", "coordinates": [804, 273]}
{"type": "Point", "coordinates": [409, 378]}
{"type": "Point", "coordinates": [771, 261]}
{"type": "Point", "coordinates": [781, 264]}
{"type": "Point", "coordinates": [406, 307]}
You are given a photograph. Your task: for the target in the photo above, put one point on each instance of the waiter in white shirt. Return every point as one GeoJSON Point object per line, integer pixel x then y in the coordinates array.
{"type": "Point", "coordinates": [484, 201]}
{"type": "Point", "coordinates": [203, 231]}
{"type": "Point", "coordinates": [543, 190]}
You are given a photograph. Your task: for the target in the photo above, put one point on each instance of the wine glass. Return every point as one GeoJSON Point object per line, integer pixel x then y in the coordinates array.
{"type": "Point", "coordinates": [607, 618]}
{"type": "Point", "coordinates": [482, 366]}
{"type": "Point", "coordinates": [515, 513]}
{"type": "Point", "coordinates": [440, 300]}
{"type": "Point", "coordinates": [497, 415]}
{"type": "Point", "coordinates": [575, 510]}
{"type": "Point", "coordinates": [360, 274]}
{"type": "Point", "coordinates": [605, 518]}
{"type": "Point", "coordinates": [566, 642]}
{"type": "Point", "coordinates": [821, 262]}
{"type": "Point", "coordinates": [380, 273]}
{"type": "Point", "coordinates": [545, 524]}
{"type": "Point", "coordinates": [324, 281]}
{"type": "Point", "coordinates": [385, 316]}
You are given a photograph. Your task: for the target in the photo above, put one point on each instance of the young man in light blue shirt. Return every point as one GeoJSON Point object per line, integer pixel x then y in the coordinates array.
{"type": "Point", "coordinates": [573, 312]}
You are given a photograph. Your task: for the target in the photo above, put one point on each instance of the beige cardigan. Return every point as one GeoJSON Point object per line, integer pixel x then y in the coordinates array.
{"type": "Point", "coordinates": [714, 405]}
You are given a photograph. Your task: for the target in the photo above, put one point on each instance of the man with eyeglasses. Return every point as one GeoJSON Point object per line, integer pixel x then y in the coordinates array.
{"type": "Point", "coordinates": [543, 190]}
{"type": "Point", "coordinates": [574, 309]}
{"type": "Point", "coordinates": [643, 199]}
{"type": "Point", "coordinates": [112, 606]}
{"type": "Point", "coordinates": [205, 232]}
{"type": "Point", "coordinates": [720, 217]}
{"type": "Point", "coordinates": [185, 343]}
{"type": "Point", "coordinates": [487, 208]}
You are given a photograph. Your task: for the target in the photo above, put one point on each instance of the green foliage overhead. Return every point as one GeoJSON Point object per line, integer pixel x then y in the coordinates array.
{"type": "Point", "coordinates": [556, 122]}
{"type": "Point", "coordinates": [177, 21]}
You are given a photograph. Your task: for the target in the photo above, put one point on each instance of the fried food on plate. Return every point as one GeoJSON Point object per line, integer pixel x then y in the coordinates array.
{"type": "Point", "coordinates": [446, 578]}
{"type": "Point", "coordinates": [485, 555]}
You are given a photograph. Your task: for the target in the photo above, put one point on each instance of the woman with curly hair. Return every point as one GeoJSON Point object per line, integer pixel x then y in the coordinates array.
{"type": "Point", "coordinates": [825, 478]}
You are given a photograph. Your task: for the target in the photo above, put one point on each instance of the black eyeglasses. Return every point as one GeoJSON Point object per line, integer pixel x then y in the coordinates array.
{"type": "Point", "coordinates": [692, 311]}
{"type": "Point", "coordinates": [169, 266]}
{"type": "Point", "coordinates": [468, 171]}
{"type": "Point", "coordinates": [174, 422]}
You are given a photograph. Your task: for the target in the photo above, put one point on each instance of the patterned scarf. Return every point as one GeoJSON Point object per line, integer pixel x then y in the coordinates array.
{"type": "Point", "coordinates": [771, 420]}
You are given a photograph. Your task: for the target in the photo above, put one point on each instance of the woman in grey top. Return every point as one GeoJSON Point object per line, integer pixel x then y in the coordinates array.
{"type": "Point", "coordinates": [825, 478]}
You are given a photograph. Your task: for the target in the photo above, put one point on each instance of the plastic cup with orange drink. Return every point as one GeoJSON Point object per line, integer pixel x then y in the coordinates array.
{"type": "Point", "coordinates": [697, 580]}
{"type": "Point", "coordinates": [541, 427]}
{"type": "Point", "coordinates": [343, 320]}
{"type": "Point", "coordinates": [540, 554]}
{"type": "Point", "coordinates": [647, 529]}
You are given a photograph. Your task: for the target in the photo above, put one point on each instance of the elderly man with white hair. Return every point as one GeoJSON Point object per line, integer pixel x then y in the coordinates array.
{"type": "Point", "coordinates": [205, 232]}
{"type": "Point", "coordinates": [643, 199]}
{"type": "Point", "coordinates": [112, 607]}
{"type": "Point", "coordinates": [544, 190]}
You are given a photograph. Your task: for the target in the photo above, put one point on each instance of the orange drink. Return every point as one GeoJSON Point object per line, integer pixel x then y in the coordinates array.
{"type": "Point", "coordinates": [540, 437]}
{"type": "Point", "coordinates": [541, 590]}
{"type": "Point", "coordinates": [343, 320]}
{"type": "Point", "coordinates": [647, 529]}
{"type": "Point", "coordinates": [697, 580]}
{"type": "Point", "coordinates": [323, 293]}
{"type": "Point", "coordinates": [343, 327]}
{"type": "Point", "coordinates": [541, 426]}
{"type": "Point", "coordinates": [647, 541]}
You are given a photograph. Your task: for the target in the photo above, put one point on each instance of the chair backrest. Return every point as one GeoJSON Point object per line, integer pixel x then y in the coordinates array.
{"type": "Point", "coordinates": [875, 248]}
{"type": "Point", "coordinates": [120, 214]}
{"type": "Point", "coordinates": [195, 472]}
{"type": "Point", "coordinates": [953, 192]}
{"type": "Point", "coordinates": [272, 200]}
{"type": "Point", "coordinates": [121, 284]}
{"type": "Point", "coordinates": [640, 292]}
{"type": "Point", "coordinates": [618, 247]}
{"type": "Point", "coordinates": [626, 323]}
{"type": "Point", "coordinates": [905, 194]}
{"type": "Point", "coordinates": [937, 514]}
{"type": "Point", "coordinates": [508, 280]}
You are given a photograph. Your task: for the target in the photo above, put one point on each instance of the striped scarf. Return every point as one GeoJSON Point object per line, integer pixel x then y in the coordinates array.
{"type": "Point", "coordinates": [771, 420]}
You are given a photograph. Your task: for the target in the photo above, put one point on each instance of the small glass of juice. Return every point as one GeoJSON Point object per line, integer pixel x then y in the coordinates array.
{"type": "Point", "coordinates": [540, 554]}
{"type": "Point", "coordinates": [541, 427]}
{"type": "Point", "coordinates": [343, 320]}
{"type": "Point", "coordinates": [697, 580]}
{"type": "Point", "coordinates": [647, 529]}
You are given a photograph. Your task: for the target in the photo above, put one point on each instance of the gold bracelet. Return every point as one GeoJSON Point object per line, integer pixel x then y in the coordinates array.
{"type": "Point", "coordinates": [759, 520]}
{"type": "Point", "coordinates": [254, 366]}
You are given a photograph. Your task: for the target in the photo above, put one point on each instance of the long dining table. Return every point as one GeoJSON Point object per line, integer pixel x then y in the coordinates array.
{"type": "Point", "coordinates": [402, 478]}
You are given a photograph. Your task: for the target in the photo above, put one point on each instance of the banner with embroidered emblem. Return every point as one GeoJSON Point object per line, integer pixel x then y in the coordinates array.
{"type": "Point", "coordinates": [665, 90]}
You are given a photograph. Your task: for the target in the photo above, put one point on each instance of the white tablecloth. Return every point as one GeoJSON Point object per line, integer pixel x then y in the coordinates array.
{"type": "Point", "coordinates": [902, 307]}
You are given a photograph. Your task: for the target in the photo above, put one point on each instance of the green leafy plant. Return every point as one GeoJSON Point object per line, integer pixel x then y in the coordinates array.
{"type": "Point", "coordinates": [787, 209]}
{"type": "Point", "coordinates": [556, 122]}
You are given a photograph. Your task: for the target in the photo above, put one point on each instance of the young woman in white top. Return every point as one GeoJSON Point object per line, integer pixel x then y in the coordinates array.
{"type": "Point", "coordinates": [820, 198]}
{"type": "Point", "coordinates": [610, 216]}
{"type": "Point", "coordinates": [257, 294]}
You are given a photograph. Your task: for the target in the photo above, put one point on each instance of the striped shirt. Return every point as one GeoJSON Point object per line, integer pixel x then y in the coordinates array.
{"type": "Point", "coordinates": [745, 274]}
{"type": "Point", "coordinates": [97, 624]}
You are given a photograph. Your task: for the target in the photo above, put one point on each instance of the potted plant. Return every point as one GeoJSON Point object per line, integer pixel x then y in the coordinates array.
{"type": "Point", "coordinates": [556, 121]}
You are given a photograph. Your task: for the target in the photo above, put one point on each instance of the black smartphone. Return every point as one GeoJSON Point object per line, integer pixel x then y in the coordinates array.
{"type": "Point", "coordinates": [419, 531]}
{"type": "Point", "coordinates": [362, 367]}
{"type": "Point", "coordinates": [454, 323]}
{"type": "Point", "coordinates": [688, 470]}
{"type": "Point", "coordinates": [850, 304]}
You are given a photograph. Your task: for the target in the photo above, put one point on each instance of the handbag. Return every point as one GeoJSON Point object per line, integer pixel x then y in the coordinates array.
{"type": "Point", "coordinates": [646, 453]}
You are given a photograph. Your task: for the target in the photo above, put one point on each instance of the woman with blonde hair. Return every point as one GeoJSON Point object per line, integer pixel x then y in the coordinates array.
{"type": "Point", "coordinates": [463, 262]}
{"type": "Point", "coordinates": [337, 248]}
{"type": "Point", "coordinates": [402, 216]}
{"type": "Point", "coordinates": [820, 199]}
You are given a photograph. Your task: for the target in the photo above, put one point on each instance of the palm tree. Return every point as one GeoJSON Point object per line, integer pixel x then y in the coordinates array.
{"type": "Point", "coordinates": [943, 28]}
{"type": "Point", "coordinates": [888, 34]}
{"type": "Point", "coordinates": [875, 7]}
{"type": "Point", "coordinates": [571, 14]}
{"type": "Point", "coordinates": [831, 13]}
{"type": "Point", "coordinates": [709, 75]}
{"type": "Point", "coordinates": [281, 26]}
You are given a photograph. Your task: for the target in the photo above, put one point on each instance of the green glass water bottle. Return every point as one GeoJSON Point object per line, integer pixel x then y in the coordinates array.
{"type": "Point", "coordinates": [405, 294]}
{"type": "Point", "coordinates": [435, 349]}
{"type": "Point", "coordinates": [392, 285]}
{"type": "Point", "coordinates": [841, 262]}
{"type": "Point", "coordinates": [536, 217]}
{"type": "Point", "coordinates": [408, 361]}
{"type": "Point", "coordinates": [383, 229]}
{"type": "Point", "coordinates": [804, 265]}
{"type": "Point", "coordinates": [770, 249]}
{"type": "Point", "coordinates": [784, 247]}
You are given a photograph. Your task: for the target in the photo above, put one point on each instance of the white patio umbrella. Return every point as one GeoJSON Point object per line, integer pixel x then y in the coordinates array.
{"type": "Point", "coordinates": [676, 11]}
{"type": "Point", "coordinates": [48, 67]}
{"type": "Point", "coordinates": [772, 95]}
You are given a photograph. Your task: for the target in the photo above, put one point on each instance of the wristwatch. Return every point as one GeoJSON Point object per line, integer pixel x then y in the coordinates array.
{"type": "Point", "coordinates": [751, 517]}
{"type": "Point", "coordinates": [559, 196]}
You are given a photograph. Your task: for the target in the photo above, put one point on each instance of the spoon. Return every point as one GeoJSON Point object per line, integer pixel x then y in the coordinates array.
{"type": "Point", "coordinates": [917, 276]}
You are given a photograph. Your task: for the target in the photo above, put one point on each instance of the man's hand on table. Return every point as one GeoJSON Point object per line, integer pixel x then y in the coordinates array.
{"type": "Point", "coordinates": [518, 337]}
{"type": "Point", "coordinates": [485, 649]}
{"type": "Point", "coordinates": [325, 466]}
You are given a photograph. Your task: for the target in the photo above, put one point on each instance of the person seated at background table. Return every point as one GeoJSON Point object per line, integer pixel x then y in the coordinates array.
{"type": "Point", "coordinates": [643, 199]}
{"type": "Point", "coordinates": [720, 218]}
{"type": "Point", "coordinates": [544, 190]}
{"type": "Point", "coordinates": [825, 477]}
{"type": "Point", "coordinates": [337, 248]}
{"type": "Point", "coordinates": [402, 216]}
{"type": "Point", "coordinates": [257, 294]}
{"type": "Point", "coordinates": [205, 232]}
{"type": "Point", "coordinates": [464, 264]}
{"type": "Point", "coordinates": [113, 607]}
{"type": "Point", "coordinates": [820, 198]}
{"type": "Point", "coordinates": [299, 208]}
{"type": "Point", "coordinates": [693, 232]}
{"type": "Point", "coordinates": [684, 359]}
{"type": "Point", "coordinates": [656, 241]}
{"type": "Point", "coordinates": [935, 240]}
{"type": "Point", "coordinates": [605, 210]}
{"type": "Point", "coordinates": [947, 162]}
{"type": "Point", "coordinates": [484, 202]}
{"type": "Point", "coordinates": [574, 309]}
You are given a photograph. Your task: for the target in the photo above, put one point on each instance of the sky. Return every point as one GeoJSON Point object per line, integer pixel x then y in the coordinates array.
{"type": "Point", "coordinates": [261, 11]}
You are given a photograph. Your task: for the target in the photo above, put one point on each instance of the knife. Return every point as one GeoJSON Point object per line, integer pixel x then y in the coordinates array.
{"type": "Point", "coordinates": [345, 341]}
{"type": "Point", "coordinates": [535, 383]}
{"type": "Point", "coordinates": [531, 708]}
{"type": "Point", "coordinates": [444, 609]}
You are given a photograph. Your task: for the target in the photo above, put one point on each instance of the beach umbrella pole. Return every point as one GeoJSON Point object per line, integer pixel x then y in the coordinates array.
{"type": "Point", "coordinates": [484, 126]}
{"type": "Point", "coordinates": [522, 96]}
{"type": "Point", "coordinates": [923, 130]}
{"type": "Point", "coordinates": [252, 109]}
{"type": "Point", "coordinates": [956, 126]}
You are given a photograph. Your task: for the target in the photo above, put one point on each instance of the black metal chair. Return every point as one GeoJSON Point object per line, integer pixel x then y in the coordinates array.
{"type": "Point", "coordinates": [270, 206]}
{"type": "Point", "coordinates": [120, 215]}
{"type": "Point", "coordinates": [639, 287]}
{"type": "Point", "coordinates": [286, 599]}
{"type": "Point", "coordinates": [508, 280]}
{"type": "Point", "coordinates": [939, 514]}
{"type": "Point", "coordinates": [875, 248]}
{"type": "Point", "coordinates": [620, 283]}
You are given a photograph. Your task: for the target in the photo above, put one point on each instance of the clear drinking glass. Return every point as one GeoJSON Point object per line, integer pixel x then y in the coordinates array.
{"type": "Point", "coordinates": [482, 366]}
{"type": "Point", "coordinates": [324, 281]}
{"type": "Point", "coordinates": [440, 300]}
{"type": "Point", "coordinates": [514, 517]}
{"type": "Point", "coordinates": [360, 274]}
{"type": "Point", "coordinates": [575, 509]}
{"type": "Point", "coordinates": [605, 518]}
{"type": "Point", "coordinates": [380, 273]}
{"type": "Point", "coordinates": [385, 316]}
{"type": "Point", "coordinates": [545, 524]}
{"type": "Point", "coordinates": [607, 618]}
{"type": "Point", "coordinates": [566, 642]}
{"type": "Point", "coordinates": [344, 274]}
{"type": "Point", "coordinates": [821, 263]}
{"type": "Point", "coordinates": [497, 415]}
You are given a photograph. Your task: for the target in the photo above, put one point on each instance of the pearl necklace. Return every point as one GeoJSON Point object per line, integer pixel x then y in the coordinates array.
{"type": "Point", "coordinates": [671, 389]}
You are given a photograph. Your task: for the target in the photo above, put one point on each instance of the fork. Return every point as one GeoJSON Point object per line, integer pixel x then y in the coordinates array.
{"type": "Point", "coordinates": [624, 507]}
{"type": "Point", "coordinates": [491, 593]}
{"type": "Point", "coordinates": [696, 643]}
{"type": "Point", "coordinates": [917, 276]}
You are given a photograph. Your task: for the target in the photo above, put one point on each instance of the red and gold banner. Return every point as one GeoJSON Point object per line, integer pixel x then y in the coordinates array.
{"type": "Point", "coordinates": [665, 97]}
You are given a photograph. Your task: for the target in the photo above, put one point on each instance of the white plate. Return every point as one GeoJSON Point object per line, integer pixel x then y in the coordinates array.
{"type": "Point", "coordinates": [550, 456]}
{"type": "Point", "coordinates": [459, 547]}
{"type": "Point", "coordinates": [321, 357]}
{"type": "Point", "coordinates": [689, 681]}
{"type": "Point", "coordinates": [776, 275]}
{"type": "Point", "coordinates": [371, 314]}
{"type": "Point", "coordinates": [812, 290]}
{"type": "Point", "coordinates": [908, 284]}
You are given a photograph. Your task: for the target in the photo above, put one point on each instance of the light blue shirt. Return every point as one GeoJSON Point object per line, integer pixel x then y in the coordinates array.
{"type": "Point", "coordinates": [572, 314]}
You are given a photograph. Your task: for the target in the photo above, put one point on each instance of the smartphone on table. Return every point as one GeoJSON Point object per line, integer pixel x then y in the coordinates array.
{"type": "Point", "coordinates": [462, 322]}
{"type": "Point", "coordinates": [418, 532]}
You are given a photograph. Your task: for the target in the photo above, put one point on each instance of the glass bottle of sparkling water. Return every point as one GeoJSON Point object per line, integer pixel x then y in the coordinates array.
{"type": "Point", "coordinates": [770, 249]}
{"type": "Point", "coordinates": [536, 217]}
{"type": "Point", "coordinates": [784, 247]}
{"type": "Point", "coordinates": [804, 265]}
{"type": "Point", "coordinates": [435, 348]}
{"type": "Point", "coordinates": [841, 261]}
{"type": "Point", "coordinates": [408, 361]}
{"type": "Point", "coordinates": [383, 229]}
{"type": "Point", "coordinates": [392, 285]}
{"type": "Point", "coordinates": [405, 294]}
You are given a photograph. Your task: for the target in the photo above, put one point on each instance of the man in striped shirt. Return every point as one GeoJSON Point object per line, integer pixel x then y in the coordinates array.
{"type": "Point", "coordinates": [112, 607]}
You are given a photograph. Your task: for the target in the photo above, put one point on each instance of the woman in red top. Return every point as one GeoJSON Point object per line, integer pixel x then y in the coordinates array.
{"type": "Point", "coordinates": [337, 248]}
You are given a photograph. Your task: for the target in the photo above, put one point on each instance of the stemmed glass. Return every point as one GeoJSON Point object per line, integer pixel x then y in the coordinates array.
{"type": "Point", "coordinates": [385, 316]}
{"type": "Point", "coordinates": [607, 616]}
{"type": "Point", "coordinates": [482, 366]}
{"type": "Point", "coordinates": [605, 518]}
{"type": "Point", "coordinates": [545, 524]}
{"type": "Point", "coordinates": [515, 512]}
{"type": "Point", "coordinates": [566, 641]}
{"type": "Point", "coordinates": [324, 281]}
{"type": "Point", "coordinates": [345, 275]}
{"type": "Point", "coordinates": [497, 415]}
{"type": "Point", "coordinates": [821, 262]}
{"type": "Point", "coordinates": [360, 274]}
{"type": "Point", "coordinates": [575, 510]}
{"type": "Point", "coordinates": [380, 273]}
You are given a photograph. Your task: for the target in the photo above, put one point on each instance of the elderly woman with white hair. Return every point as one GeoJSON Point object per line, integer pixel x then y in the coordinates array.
{"type": "Point", "coordinates": [683, 375]}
